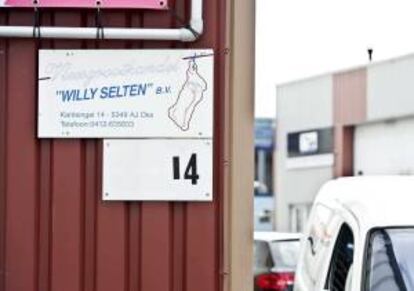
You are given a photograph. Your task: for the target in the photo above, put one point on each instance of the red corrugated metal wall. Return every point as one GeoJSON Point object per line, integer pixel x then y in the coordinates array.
{"type": "Point", "coordinates": [55, 231]}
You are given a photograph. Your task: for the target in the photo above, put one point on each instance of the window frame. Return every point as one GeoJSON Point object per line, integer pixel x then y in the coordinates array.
{"type": "Point", "coordinates": [366, 255]}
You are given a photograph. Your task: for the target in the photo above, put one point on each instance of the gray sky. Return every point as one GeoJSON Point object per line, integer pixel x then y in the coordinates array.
{"type": "Point", "coordinates": [301, 38]}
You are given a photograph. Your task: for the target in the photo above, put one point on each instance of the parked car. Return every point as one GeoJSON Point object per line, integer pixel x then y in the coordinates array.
{"type": "Point", "coordinates": [360, 236]}
{"type": "Point", "coordinates": [275, 257]}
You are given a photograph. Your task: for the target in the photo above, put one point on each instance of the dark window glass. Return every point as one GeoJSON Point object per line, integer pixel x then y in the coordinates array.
{"type": "Point", "coordinates": [390, 265]}
{"type": "Point", "coordinates": [310, 142]}
{"type": "Point", "coordinates": [256, 176]}
{"type": "Point", "coordinates": [269, 171]}
{"type": "Point", "coordinates": [342, 259]}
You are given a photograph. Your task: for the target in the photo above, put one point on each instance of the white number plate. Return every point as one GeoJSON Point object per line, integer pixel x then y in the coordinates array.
{"type": "Point", "coordinates": [158, 170]}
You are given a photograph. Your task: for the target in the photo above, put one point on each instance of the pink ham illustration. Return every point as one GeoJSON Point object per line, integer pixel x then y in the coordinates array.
{"type": "Point", "coordinates": [190, 95]}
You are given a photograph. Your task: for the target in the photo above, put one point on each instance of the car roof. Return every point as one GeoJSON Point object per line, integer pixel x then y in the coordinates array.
{"type": "Point", "coordinates": [375, 201]}
{"type": "Point", "coordinates": [273, 235]}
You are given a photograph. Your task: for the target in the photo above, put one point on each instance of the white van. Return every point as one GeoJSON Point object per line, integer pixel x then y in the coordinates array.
{"type": "Point", "coordinates": [360, 236]}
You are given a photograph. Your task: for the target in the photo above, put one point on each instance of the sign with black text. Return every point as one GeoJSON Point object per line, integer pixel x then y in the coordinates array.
{"type": "Point", "coordinates": [158, 170]}
{"type": "Point", "coordinates": [126, 93]}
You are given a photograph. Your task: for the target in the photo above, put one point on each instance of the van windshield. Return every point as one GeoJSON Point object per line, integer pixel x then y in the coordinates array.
{"type": "Point", "coordinates": [390, 265]}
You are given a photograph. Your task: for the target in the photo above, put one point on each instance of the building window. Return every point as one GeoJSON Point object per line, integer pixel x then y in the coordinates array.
{"type": "Point", "coordinates": [263, 172]}
{"type": "Point", "coordinates": [310, 142]}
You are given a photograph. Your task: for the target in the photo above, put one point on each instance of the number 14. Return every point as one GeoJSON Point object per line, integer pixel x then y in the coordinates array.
{"type": "Point", "coordinates": [190, 171]}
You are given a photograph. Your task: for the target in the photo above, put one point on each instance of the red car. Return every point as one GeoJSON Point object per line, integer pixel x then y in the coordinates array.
{"type": "Point", "coordinates": [275, 258]}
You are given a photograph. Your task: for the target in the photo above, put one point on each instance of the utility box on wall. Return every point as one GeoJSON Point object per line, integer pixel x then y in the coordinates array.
{"type": "Point", "coordinates": [56, 230]}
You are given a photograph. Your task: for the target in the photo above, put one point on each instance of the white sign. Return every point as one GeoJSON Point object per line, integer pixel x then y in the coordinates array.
{"type": "Point", "coordinates": [125, 93]}
{"type": "Point", "coordinates": [158, 170]}
{"type": "Point", "coordinates": [308, 142]}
